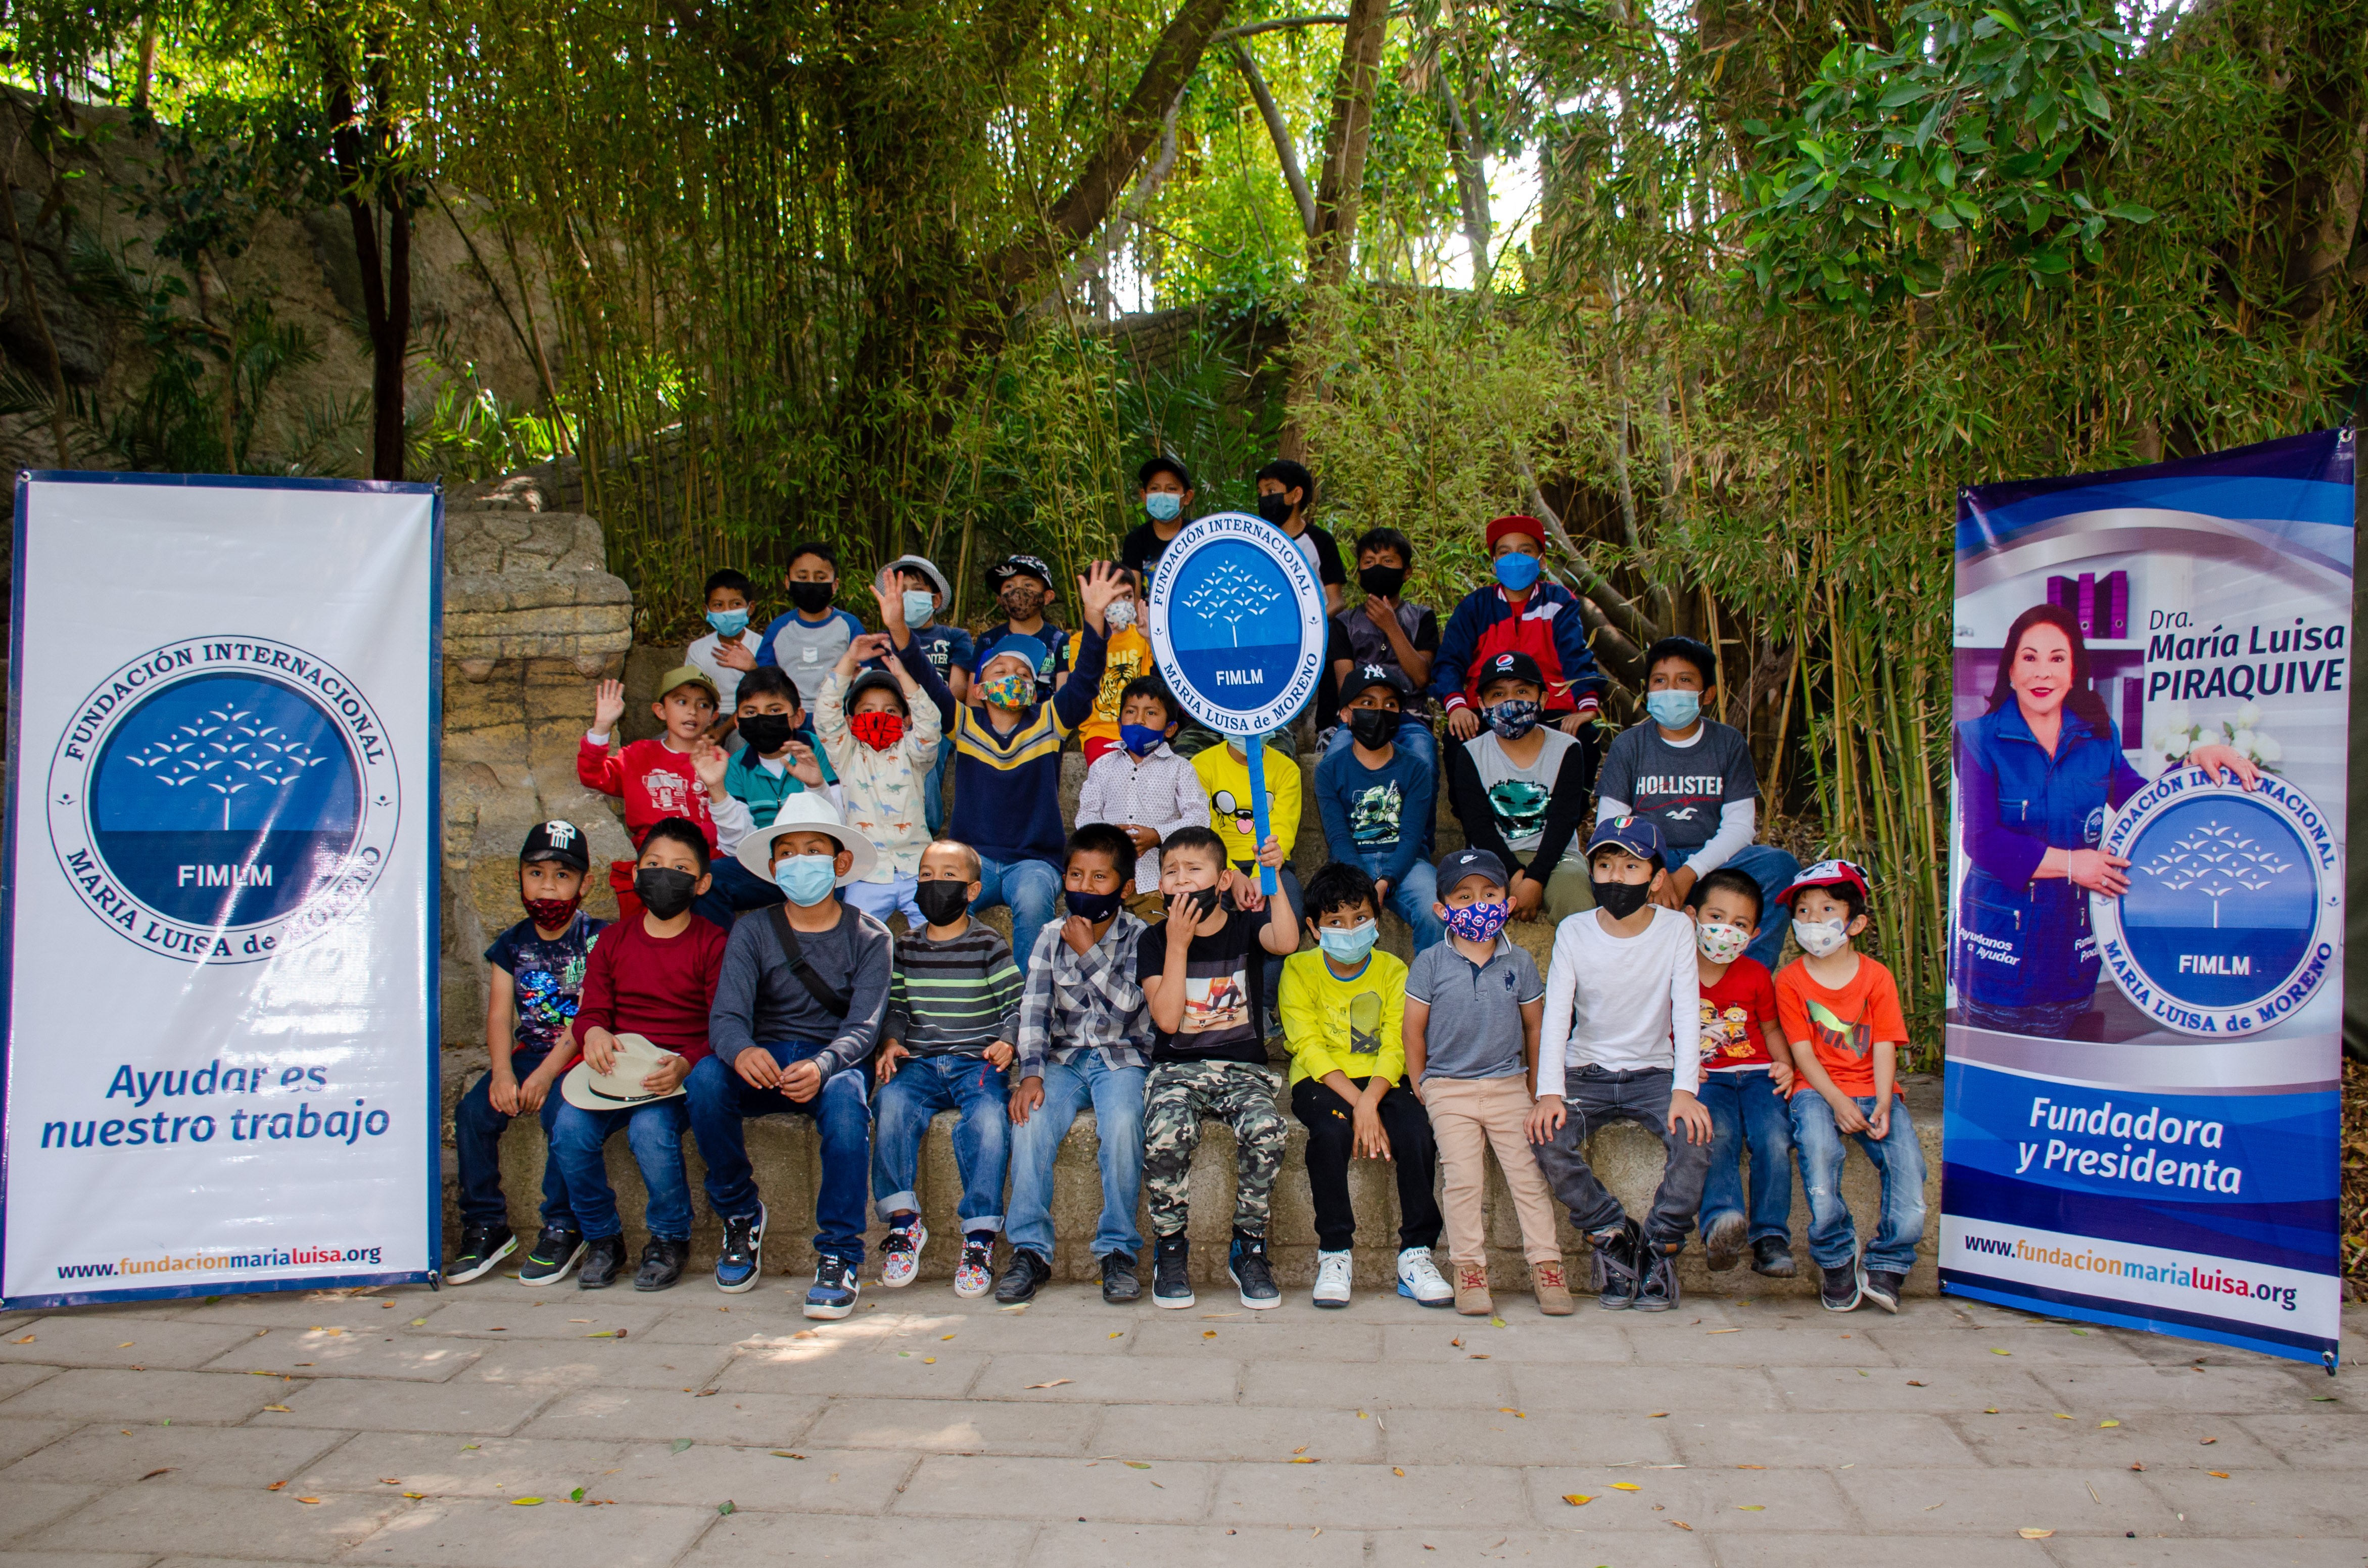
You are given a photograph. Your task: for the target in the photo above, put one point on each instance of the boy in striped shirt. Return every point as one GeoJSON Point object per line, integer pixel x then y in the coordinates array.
{"type": "Point", "coordinates": [953, 1015]}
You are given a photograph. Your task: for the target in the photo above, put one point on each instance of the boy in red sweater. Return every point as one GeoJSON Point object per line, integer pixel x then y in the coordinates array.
{"type": "Point", "coordinates": [655, 779]}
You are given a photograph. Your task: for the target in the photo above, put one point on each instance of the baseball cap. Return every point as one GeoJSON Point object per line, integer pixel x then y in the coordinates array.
{"type": "Point", "coordinates": [1517, 523]}
{"type": "Point", "coordinates": [556, 840]}
{"type": "Point", "coordinates": [1508, 666]}
{"type": "Point", "coordinates": [874, 680]}
{"type": "Point", "coordinates": [1828, 874]}
{"type": "Point", "coordinates": [1012, 566]}
{"type": "Point", "coordinates": [1018, 642]}
{"type": "Point", "coordinates": [1641, 836]}
{"type": "Point", "coordinates": [927, 568]}
{"type": "Point", "coordinates": [1458, 864]}
{"type": "Point", "coordinates": [675, 679]}
{"type": "Point", "coordinates": [1365, 676]}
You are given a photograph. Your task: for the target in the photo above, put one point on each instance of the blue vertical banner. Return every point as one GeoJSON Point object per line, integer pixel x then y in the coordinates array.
{"type": "Point", "coordinates": [2152, 673]}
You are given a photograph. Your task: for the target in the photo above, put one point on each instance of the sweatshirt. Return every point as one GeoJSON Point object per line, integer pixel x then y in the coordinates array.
{"type": "Point", "coordinates": [655, 781]}
{"type": "Point", "coordinates": [655, 987]}
{"type": "Point", "coordinates": [1385, 811]}
{"type": "Point", "coordinates": [759, 1001]}
{"type": "Point", "coordinates": [1623, 1003]}
{"type": "Point", "coordinates": [1007, 785]}
{"type": "Point", "coordinates": [882, 789]}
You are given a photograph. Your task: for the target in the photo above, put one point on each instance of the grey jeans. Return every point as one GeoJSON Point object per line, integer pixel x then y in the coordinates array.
{"type": "Point", "coordinates": [1595, 1097]}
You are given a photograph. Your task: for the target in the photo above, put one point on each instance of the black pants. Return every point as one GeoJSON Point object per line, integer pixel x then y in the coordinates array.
{"type": "Point", "coordinates": [1331, 1134]}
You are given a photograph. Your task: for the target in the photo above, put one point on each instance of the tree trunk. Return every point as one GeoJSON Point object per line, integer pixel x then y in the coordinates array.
{"type": "Point", "coordinates": [1330, 244]}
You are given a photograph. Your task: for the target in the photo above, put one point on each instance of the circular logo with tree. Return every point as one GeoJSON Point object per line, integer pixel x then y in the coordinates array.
{"type": "Point", "coordinates": [1236, 623]}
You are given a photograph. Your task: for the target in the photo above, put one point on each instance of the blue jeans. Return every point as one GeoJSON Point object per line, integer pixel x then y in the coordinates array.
{"type": "Point", "coordinates": [722, 1101]}
{"type": "Point", "coordinates": [655, 1133]}
{"type": "Point", "coordinates": [902, 1108]}
{"type": "Point", "coordinates": [1031, 889]}
{"type": "Point", "coordinates": [1412, 898]}
{"type": "Point", "coordinates": [1899, 1159]}
{"type": "Point", "coordinates": [1116, 1094]}
{"type": "Point", "coordinates": [1773, 870]}
{"type": "Point", "coordinates": [880, 900]}
{"type": "Point", "coordinates": [933, 789]}
{"type": "Point", "coordinates": [1745, 1108]}
{"type": "Point", "coordinates": [1413, 733]}
{"type": "Point", "coordinates": [733, 890]}
{"type": "Point", "coordinates": [477, 1130]}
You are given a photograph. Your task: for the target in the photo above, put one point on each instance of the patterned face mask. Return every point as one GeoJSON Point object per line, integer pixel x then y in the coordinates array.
{"type": "Point", "coordinates": [1511, 720]}
{"type": "Point", "coordinates": [551, 914]}
{"type": "Point", "coordinates": [1721, 943]}
{"type": "Point", "coordinates": [1478, 922]}
{"type": "Point", "coordinates": [878, 729]}
{"type": "Point", "coordinates": [1011, 691]}
{"type": "Point", "coordinates": [1820, 939]}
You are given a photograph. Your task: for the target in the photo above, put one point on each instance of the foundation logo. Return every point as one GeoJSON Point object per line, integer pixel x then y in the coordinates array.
{"type": "Point", "coordinates": [220, 801]}
{"type": "Point", "coordinates": [2234, 916]}
{"type": "Point", "coordinates": [1236, 623]}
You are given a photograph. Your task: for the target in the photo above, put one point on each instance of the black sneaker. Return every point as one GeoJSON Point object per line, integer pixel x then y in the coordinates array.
{"type": "Point", "coordinates": [1882, 1286]}
{"type": "Point", "coordinates": [554, 1252]}
{"type": "Point", "coordinates": [1171, 1271]}
{"type": "Point", "coordinates": [742, 1260]}
{"type": "Point", "coordinates": [1245, 1262]}
{"type": "Point", "coordinates": [1022, 1277]}
{"type": "Point", "coordinates": [1656, 1285]}
{"type": "Point", "coordinates": [662, 1263]}
{"type": "Point", "coordinates": [481, 1246]}
{"type": "Point", "coordinates": [1120, 1285]}
{"type": "Point", "coordinates": [1724, 1242]}
{"type": "Point", "coordinates": [1612, 1267]}
{"type": "Point", "coordinates": [1839, 1289]}
{"type": "Point", "coordinates": [1772, 1255]}
{"type": "Point", "coordinates": [604, 1259]}
{"type": "Point", "coordinates": [832, 1295]}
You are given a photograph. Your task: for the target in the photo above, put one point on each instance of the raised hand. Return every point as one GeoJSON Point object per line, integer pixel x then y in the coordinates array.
{"type": "Point", "coordinates": [1096, 589]}
{"type": "Point", "coordinates": [607, 706]}
{"type": "Point", "coordinates": [890, 597]}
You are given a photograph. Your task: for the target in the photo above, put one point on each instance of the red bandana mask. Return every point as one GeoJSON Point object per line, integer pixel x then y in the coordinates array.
{"type": "Point", "coordinates": [551, 914]}
{"type": "Point", "coordinates": [879, 728]}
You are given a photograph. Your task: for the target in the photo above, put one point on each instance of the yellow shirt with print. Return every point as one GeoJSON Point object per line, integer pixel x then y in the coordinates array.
{"type": "Point", "coordinates": [1353, 1026]}
{"type": "Point", "coordinates": [1227, 780]}
{"type": "Point", "coordinates": [1128, 655]}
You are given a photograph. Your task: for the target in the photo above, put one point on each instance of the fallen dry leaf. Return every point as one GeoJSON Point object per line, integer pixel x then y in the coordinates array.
{"type": "Point", "coordinates": [1914, 1384]}
{"type": "Point", "coordinates": [414, 1494]}
{"type": "Point", "coordinates": [2029, 1534]}
{"type": "Point", "coordinates": [1478, 1355]}
{"type": "Point", "coordinates": [1118, 1334]}
{"type": "Point", "coordinates": [1751, 1466]}
{"type": "Point", "coordinates": [1300, 1449]}
{"type": "Point", "coordinates": [785, 1454]}
{"type": "Point", "coordinates": [2217, 1474]}
{"type": "Point", "coordinates": [1208, 1334]}
{"type": "Point", "coordinates": [1136, 1464]}
{"type": "Point", "coordinates": [1751, 1507]}
{"type": "Point", "coordinates": [282, 1408]}
{"type": "Point", "coordinates": [944, 1336]}
{"type": "Point", "coordinates": [1397, 1471]}
{"type": "Point", "coordinates": [1576, 1499]}
{"type": "Point", "coordinates": [1681, 1524]}
{"type": "Point", "coordinates": [273, 1487]}
{"type": "Point", "coordinates": [2104, 1423]}
{"type": "Point", "coordinates": [525, 1502]}
{"type": "Point", "coordinates": [1654, 1414]}
{"type": "Point", "coordinates": [1057, 1383]}
{"type": "Point", "coordinates": [152, 1474]}
{"type": "Point", "coordinates": [2207, 1442]}
{"type": "Point", "coordinates": [308, 1499]}
{"type": "Point", "coordinates": [2138, 1467]}
{"type": "Point", "coordinates": [1452, 1343]}
{"type": "Point", "coordinates": [28, 1339]}
{"type": "Point", "coordinates": [1306, 1462]}
{"type": "Point", "coordinates": [1625, 1486]}
{"type": "Point", "coordinates": [1722, 1331]}
{"type": "Point", "coordinates": [127, 1344]}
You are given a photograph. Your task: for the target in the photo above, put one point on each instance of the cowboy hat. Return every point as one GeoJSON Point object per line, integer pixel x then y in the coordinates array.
{"type": "Point", "coordinates": [620, 1088]}
{"type": "Point", "coordinates": [808, 811]}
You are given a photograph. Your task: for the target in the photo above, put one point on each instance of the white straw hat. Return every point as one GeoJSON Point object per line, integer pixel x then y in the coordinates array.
{"type": "Point", "coordinates": [621, 1088]}
{"type": "Point", "coordinates": [808, 811]}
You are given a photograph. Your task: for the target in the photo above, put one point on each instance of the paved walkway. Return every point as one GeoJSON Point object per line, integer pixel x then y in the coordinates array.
{"type": "Point", "coordinates": [406, 1428]}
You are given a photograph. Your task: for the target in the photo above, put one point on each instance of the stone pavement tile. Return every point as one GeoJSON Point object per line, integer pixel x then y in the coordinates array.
{"type": "Point", "coordinates": [35, 1504]}
{"type": "Point", "coordinates": [18, 1438]}
{"type": "Point", "coordinates": [767, 1541]}
{"type": "Point", "coordinates": [330, 1309]}
{"type": "Point", "coordinates": [361, 1403]}
{"type": "Point", "coordinates": [1364, 1385]}
{"type": "Point", "coordinates": [2329, 1441]}
{"type": "Point", "coordinates": [2002, 1549]}
{"type": "Point", "coordinates": [1262, 1335]}
{"type": "Point", "coordinates": [445, 1465]}
{"type": "Point", "coordinates": [1063, 1544]}
{"type": "Point", "coordinates": [1816, 1342]}
{"type": "Point", "coordinates": [656, 1415]}
{"type": "Point", "coordinates": [1662, 1548]}
{"type": "Point", "coordinates": [2233, 1390]}
{"type": "Point", "coordinates": [77, 1341]}
{"type": "Point", "coordinates": [1492, 1436]}
{"type": "Point", "coordinates": [2272, 1503]}
{"type": "Point", "coordinates": [191, 1456]}
{"type": "Point", "coordinates": [1584, 1340]}
{"type": "Point", "coordinates": [127, 1398]}
{"type": "Point", "coordinates": [913, 1374]}
{"type": "Point", "coordinates": [546, 1314]}
{"type": "Point", "coordinates": [76, 1559]}
{"type": "Point", "coordinates": [481, 1533]}
{"type": "Point", "coordinates": [960, 1426]}
{"type": "Point", "coordinates": [1712, 1501]}
{"type": "Point", "coordinates": [1119, 1380]}
{"type": "Point", "coordinates": [993, 1333]}
{"type": "Point", "coordinates": [610, 1363]}
{"type": "Point", "coordinates": [2154, 1438]}
{"type": "Point", "coordinates": [1913, 1346]}
{"type": "Point", "coordinates": [986, 1486]}
{"type": "Point", "coordinates": [1979, 1502]}
{"type": "Point", "coordinates": [271, 1527]}
{"type": "Point", "coordinates": [1368, 1496]}
{"type": "Point", "coordinates": [1678, 1390]}
{"type": "Point", "coordinates": [826, 1481]}
{"type": "Point", "coordinates": [1239, 1432]}
{"type": "Point", "coordinates": [1819, 1441]}
{"type": "Point", "coordinates": [22, 1376]}
{"type": "Point", "coordinates": [1920, 1390]}
{"type": "Point", "coordinates": [2088, 1551]}
{"type": "Point", "coordinates": [306, 1353]}
{"type": "Point", "coordinates": [694, 1321]}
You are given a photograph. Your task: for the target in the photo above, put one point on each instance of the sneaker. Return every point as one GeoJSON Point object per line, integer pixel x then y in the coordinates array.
{"type": "Point", "coordinates": [1332, 1278]}
{"type": "Point", "coordinates": [1882, 1286]}
{"type": "Point", "coordinates": [481, 1246]}
{"type": "Point", "coordinates": [662, 1263]}
{"type": "Point", "coordinates": [1724, 1242]}
{"type": "Point", "coordinates": [1171, 1271]}
{"type": "Point", "coordinates": [974, 1275]}
{"type": "Point", "coordinates": [1612, 1270]}
{"type": "Point", "coordinates": [553, 1254]}
{"type": "Point", "coordinates": [604, 1259]}
{"type": "Point", "coordinates": [1419, 1281]}
{"type": "Point", "coordinates": [1839, 1289]}
{"type": "Point", "coordinates": [742, 1260]}
{"type": "Point", "coordinates": [1772, 1255]}
{"type": "Point", "coordinates": [1472, 1297]}
{"type": "Point", "coordinates": [1553, 1288]}
{"type": "Point", "coordinates": [1656, 1284]}
{"type": "Point", "coordinates": [900, 1255]}
{"type": "Point", "coordinates": [832, 1293]}
{"type": "Point", "coordinates": [1120, 1285]}
{"type": "Point", "coordinates": [1245, 1263]}
{"type": "Point", "coordinates": [1022, 1278]}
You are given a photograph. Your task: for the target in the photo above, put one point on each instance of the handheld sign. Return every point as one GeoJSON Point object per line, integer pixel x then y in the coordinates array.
{"type": "Point", "coordinates": [1236, 626]}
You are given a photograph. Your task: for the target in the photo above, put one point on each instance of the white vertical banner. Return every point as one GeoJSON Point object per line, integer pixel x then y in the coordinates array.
{"type": "Point", "coordinates": [218, 936]}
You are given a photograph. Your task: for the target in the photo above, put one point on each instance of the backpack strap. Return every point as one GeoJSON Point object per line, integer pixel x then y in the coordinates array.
{"type": "Point", "coordinates": [831, 999]}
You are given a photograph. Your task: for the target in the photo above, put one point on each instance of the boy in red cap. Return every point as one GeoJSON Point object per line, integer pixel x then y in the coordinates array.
{"type": "Point", "coordinates": [1521, 612]}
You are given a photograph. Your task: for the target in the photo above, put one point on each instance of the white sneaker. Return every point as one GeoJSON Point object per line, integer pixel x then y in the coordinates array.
{"type": "Point", "coordinates": [1332, 1278]}
{"type": "Point", "coordinates": [1420, 1280]}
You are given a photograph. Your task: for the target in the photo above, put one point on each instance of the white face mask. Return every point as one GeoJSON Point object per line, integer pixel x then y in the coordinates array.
{"type": "Point", "coordinates": [1121, 614]}
{"type": "Point", "coordinates": [1819, 938]}
{"type": "Point", "coordinates": [1721, 943]}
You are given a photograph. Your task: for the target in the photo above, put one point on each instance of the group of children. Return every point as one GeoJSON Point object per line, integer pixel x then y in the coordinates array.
{"type": "Point", "coordinates": [793, 805]}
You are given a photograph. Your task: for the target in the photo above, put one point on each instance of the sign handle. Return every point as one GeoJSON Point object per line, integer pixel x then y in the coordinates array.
{"type": "Point", "coordinates": [1254, 748]}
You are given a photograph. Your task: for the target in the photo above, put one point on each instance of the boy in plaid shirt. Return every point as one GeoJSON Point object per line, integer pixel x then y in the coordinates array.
{"type": "Point", "coordinates": [1143, 787]}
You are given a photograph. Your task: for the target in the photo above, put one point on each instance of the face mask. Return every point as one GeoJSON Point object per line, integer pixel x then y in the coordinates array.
{"type": "Point", "coordinates": [1511, 720]}
{"type": "Point", "coordinates": [1821, 938]}
{"type": "Point", "coordinates": [1384, 581]}
{"type": "Point", "coordinates": [1373, 727]}
{"type": "Point", "coordinates": [664, 892]}
{"type": "Point", "coordinates": [1020, 601]}
{"type": "Point", "coordinates": [1275, 509]}
{"type": "Point", "coordinates": [728, 622]}
{"type": "Point", "coordinates": [1348, 946]}
{"type": "Point", "coordinates": [1163, 505]}
{"type": "Point", "coordinates": [1517, 572]}
{"type": "Point", "coordinates": [1139, 739]}
{"type": "Point", "coordinates": [878, 729]}
{"type": "Point", "coordinates": [806, 878]}
{"type": "Point", "coordinates": [1011, 691]}
{"type": "Point", "coordinates": [1478, 922]}
{"type": "Point", "coordinates": [551, 914]}
{"type": "Point", "coordinates": [1721, 943]}
{"type": "Point", "coordinates": [1674, 709]}
{"type": "Point", "coordinates": [765, 733]}
{"type": "Point", "coordinates": [812, 598]}
{"type": "Point", "coordinates": [1121, 614]}
{"type": "Point", "coordinates": [941, 902]}
{"type": "Point", "coordinates": [1092, 907]}
{"type": "Point", "coordinates": [920, 606]}
{"type": "Point", "coordinates": [1195, 906]}
{"type": "Point", "coordinates": [1620, 900]}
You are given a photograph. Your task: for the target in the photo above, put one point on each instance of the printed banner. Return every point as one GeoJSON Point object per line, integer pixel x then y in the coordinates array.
{"type": "Point", "coordinates": [218, 981]}
{"type": "Point", "coordinates": [2145, 1012]}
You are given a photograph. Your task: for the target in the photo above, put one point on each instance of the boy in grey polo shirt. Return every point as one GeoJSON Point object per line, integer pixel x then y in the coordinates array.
{"type": "Point", "coordinates": [1473, 1012]}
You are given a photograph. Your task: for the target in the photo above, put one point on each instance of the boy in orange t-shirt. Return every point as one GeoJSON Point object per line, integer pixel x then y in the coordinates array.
{"type": "Point", "coordinates": [1841, 1018]}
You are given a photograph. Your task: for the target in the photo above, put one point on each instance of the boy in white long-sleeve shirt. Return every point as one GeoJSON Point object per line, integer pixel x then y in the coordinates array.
{"type": "Point", "coordinates": [1623, 1017]}
{"type": "Point", "coordinates": [1143, 789]}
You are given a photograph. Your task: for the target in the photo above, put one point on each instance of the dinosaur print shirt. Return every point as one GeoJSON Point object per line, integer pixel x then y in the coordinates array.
{"type": "Point", "coordinates": [1843, 1026]}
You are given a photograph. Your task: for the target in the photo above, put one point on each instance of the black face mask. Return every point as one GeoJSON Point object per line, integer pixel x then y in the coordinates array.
{"type": "Point", "coordinates": [1384, 581]}
{"type": "Point", "coordinates": [1620, 900]}
{"type": "Point", "coordinates": [812, 598]}
{"type": "Point", "coordinates": [941, 902]}
{"type": "Point", "coordinates": [765, 733]}
{"type": "Point", "coordinates": [1373, 727]}
{"type": "Point", "coordinates": [1275, 509]}
{"type": "Point", "coordinates": [1191, 905]}
{"type": "Point", "coordinates": [1093, 907]}
{"type": "Point", "coordinates": [664, 892]}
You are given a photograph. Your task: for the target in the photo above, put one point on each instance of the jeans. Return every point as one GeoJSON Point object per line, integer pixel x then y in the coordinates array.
{"type": "Point", "coordinates": [1414, 737]}
{"type": "Point", "coordinates": [1031, 889]}
{"type": "Point", "coordinates": [1746, 1109]}
{"type": "Point", "coordinates": [1412, 897]}
{"type": "Point", "coordinates": [1773, 870]}
{"type": "Point", "coordinates": [933, 789]}
{"type": "Point", "coordinates": [477, 1130]}
{"type": "Point", "coordinates": [733, 890]}
{"type": "Point", "coordinates": [720, 1101]}
{"type": "Point", "coordinates": [879, 900]}
{"type": "Point", "coordinates": [1116, 1094]}
{"type": "Point", "coordinates": [655, 1133]}
{"type": "Point", "coordinates": [902, 1108]}
{"type": "Point", "coordinates": [1596, 1097]}
{"type": "Point", "coordinates": [1899, 1159]}
{"type": "Point", "coordinates": [1331, 1140]}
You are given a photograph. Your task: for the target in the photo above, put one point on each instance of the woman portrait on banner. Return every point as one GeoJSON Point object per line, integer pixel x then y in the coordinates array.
{"type": "Point", "coordinates": [2037, 775]}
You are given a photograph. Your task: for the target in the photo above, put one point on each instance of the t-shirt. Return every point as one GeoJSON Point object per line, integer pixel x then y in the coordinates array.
{"type": "Point", "coordinates": [1624, 1003]}
{"type": "Point", "coordinates": [1842, 1027]}
{"type": "Point", "coordinates": [658, 987]}
{"type": "Point", "coordinates": [1518, 797]}
{"type": "Point", "coordinates": [1475, 1028]}
{"type": "Point", "coordinates": [1224, 993]}
{"type": "Point", "coordinates": [1323, 553]}
{"type": "Point", "coordinates": [806, 650]}
{"type": "Point", "coordinates": [1681, 788]}
{"type": "Point", "coordinates": [1129, 656]}
{"type": "Point", "coordinates": [547, 976]}
{"type": "Point", "coordinates": [1227, 780]}
{"type": "Point", "coordinates": [1354, 1025]}
{"type": "Point", "coordinates": [1355, 638]}
{"type": "Point", "coordinates": [946, 647]}
{"type": "Point", "coordinates": [1056, 659]}
{"type": "Point", "coordinates": [1141, 550]}
{"type": "Point", "coordinates": [1733, 1014]}
{"type": "Point", "coordinates": [700, 656]}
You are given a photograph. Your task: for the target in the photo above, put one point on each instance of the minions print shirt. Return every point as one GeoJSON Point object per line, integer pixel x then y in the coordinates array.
{"type": "Point", "coordinates": [1734, 1015]}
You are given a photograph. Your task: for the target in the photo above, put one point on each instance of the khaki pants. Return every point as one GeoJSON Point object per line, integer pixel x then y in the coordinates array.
{"type": "Point", "coordinates": [1467, 1115]}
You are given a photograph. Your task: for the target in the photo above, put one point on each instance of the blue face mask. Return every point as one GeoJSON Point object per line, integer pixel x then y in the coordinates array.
{"type": "Point", "coordinates": [728, 622]}
{"type": "Point", "coordinates": [1517, 572]}
{"type": "Point", "coordinates": [807, 879]}
{"type": "Point", "coordinates": [1674, 709]}
{"type": "Point", "coordinates": [1163, 505]}
{"type": "Point", "coordinates": [919, 606]}
{"type": "Point", "coordinates": [1348, 946]}
{"type": "Point", "coordinates": [1139, 739]}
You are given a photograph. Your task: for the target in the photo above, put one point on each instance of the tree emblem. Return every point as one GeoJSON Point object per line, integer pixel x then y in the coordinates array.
{"type": "Point", "coordinates": [227, 751]}
{"type": "Point", "coordinates": [2216, 861]}
{"type": "Point", "coordinates": [1232, 595]}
